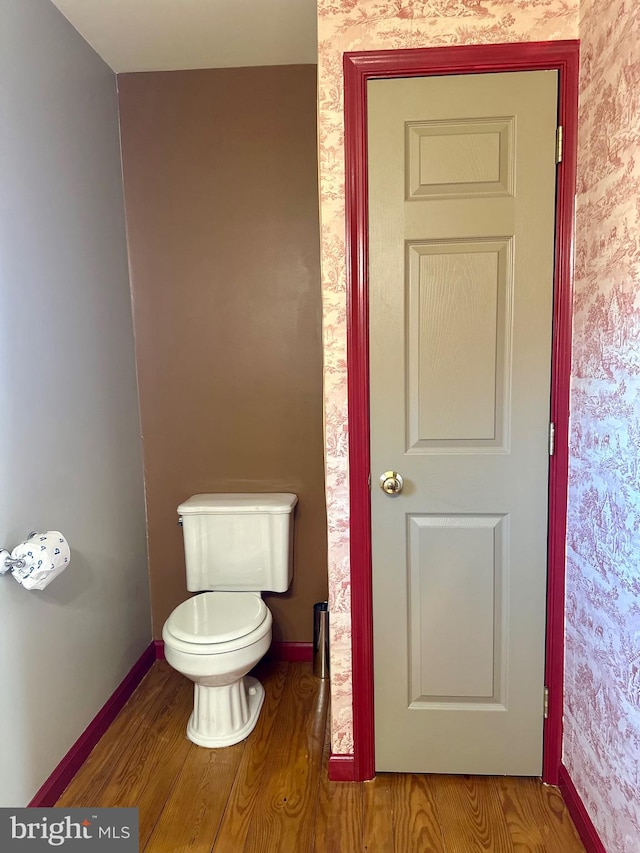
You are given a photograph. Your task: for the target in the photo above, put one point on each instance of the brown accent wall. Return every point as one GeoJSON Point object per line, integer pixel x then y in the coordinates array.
{"type": "Point", "coordinates": [220, 177]}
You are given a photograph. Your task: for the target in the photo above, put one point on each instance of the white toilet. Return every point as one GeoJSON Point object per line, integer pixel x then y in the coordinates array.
{"type": "Point", "coordinates": [238, 545]}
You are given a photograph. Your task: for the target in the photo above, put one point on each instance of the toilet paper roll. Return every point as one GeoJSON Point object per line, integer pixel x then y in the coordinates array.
{"type": "Point", "coordinates": [45, 556]}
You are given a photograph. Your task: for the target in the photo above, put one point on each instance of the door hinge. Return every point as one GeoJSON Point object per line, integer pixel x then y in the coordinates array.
{"type": "Point", "coordinates": [546, 703]}
{"type": "Point", "coordinates": [552, 438]}
{"type": "Point", "coordinates": [369, 481]}
{"type": "Point", "coordinates": [559, 144]}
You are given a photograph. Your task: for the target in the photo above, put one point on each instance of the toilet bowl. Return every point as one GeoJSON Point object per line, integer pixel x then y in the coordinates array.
{"type": "Point", "coordinates": [215, 639]}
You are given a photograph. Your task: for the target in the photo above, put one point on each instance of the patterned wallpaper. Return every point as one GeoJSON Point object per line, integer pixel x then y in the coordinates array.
{"type": "Point", "coordinates": [349, 25]}
{"type": "Point", "coordinates": [602, 690]}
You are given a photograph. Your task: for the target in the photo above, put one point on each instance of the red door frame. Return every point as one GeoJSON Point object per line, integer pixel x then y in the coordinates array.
{"type": "Point", "coordinates": [562, 56]}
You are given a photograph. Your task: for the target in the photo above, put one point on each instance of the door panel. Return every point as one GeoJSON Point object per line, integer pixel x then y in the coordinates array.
{"type": "Point", "coordinates": [461, 213]}
{"type": "Point", "coordinates": [456, 158]}
{"type": "Point", "coordinates": [457, 344]}
{"type": "Point", "coordinates": [454, 562]}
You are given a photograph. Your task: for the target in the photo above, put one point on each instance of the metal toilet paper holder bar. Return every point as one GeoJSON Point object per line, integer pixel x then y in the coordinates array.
{"type": "Point", "coordinates": [11, 563]}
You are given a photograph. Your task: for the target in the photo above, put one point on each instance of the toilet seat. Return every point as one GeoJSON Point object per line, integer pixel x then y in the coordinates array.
{"type": "Point", "coordinates": [217, 621]}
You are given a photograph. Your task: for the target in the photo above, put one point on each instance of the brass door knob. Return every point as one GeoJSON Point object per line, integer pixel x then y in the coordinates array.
{"type": "Point", "coordinates": [391, 483]}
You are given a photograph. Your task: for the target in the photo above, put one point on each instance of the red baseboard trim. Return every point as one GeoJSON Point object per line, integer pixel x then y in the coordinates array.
{"type": "Point", "coordinates": [51, 790]}
{"type": "Point", "coordinates": [290, 652]}
{"type": "Point", "coordinates": [579, 815]}
{"type": "Point", "coordinates": [341, 768]}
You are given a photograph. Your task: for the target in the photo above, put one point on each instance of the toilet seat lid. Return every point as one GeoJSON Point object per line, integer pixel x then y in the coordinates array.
{"type": "Point", "coordinates": [217, 617]}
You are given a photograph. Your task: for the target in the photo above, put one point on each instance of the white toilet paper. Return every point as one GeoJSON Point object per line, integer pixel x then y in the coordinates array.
{"type": "Point", "coordinates": [45, 555]}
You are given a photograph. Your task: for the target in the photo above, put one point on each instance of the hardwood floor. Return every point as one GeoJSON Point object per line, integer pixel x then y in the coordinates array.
{"type": "Point", "coordinates": [271, 794]}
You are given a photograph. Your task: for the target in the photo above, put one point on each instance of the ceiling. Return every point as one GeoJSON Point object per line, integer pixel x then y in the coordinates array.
{"type": "Point", "coordinates": [168, 35]}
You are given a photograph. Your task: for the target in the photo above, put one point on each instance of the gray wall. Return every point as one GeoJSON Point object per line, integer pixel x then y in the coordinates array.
{"type": "Point", "coordinates": [70, 455]}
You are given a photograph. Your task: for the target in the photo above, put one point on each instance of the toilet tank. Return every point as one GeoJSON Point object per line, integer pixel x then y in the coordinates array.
{"type": "Point", "coordinates": [238, 542]}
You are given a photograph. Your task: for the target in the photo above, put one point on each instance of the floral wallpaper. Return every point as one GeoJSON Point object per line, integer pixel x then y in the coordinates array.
{"type": "Point", "coordinates": [352, 25]}
{"type": "Point", "coordinates": [602, 681]}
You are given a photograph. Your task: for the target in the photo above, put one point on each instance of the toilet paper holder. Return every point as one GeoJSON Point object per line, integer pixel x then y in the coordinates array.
{"type": "Point", "coordinates": [11, 563]}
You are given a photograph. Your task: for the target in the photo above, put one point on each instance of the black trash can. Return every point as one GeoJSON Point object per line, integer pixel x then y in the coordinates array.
{"type": "Point", "coordinates": [321, 639]}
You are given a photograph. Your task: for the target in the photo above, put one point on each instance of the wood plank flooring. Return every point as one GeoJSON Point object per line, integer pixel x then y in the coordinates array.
{"type": "Point", "coordinates": [271, 794]}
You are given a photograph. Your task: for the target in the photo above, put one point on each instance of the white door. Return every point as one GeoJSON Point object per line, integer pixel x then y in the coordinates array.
{"type": "Point", "coordinates": [461, 206]}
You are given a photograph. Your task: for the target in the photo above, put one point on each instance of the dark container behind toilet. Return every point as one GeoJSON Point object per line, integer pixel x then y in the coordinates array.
{"type": "Point", "coordinates": [321, 639]}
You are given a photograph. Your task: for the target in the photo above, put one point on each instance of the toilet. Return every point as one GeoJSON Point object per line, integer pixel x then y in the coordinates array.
{"type": "Point", "coordinates": [236, 547]}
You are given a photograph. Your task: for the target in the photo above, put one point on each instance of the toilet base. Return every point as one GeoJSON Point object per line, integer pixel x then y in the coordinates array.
{"type": "Point", "coordinates": [225, 714]}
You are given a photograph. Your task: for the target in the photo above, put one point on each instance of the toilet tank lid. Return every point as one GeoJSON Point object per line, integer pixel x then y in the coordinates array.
{"type": "Point", "coordinates": [280, 502]}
